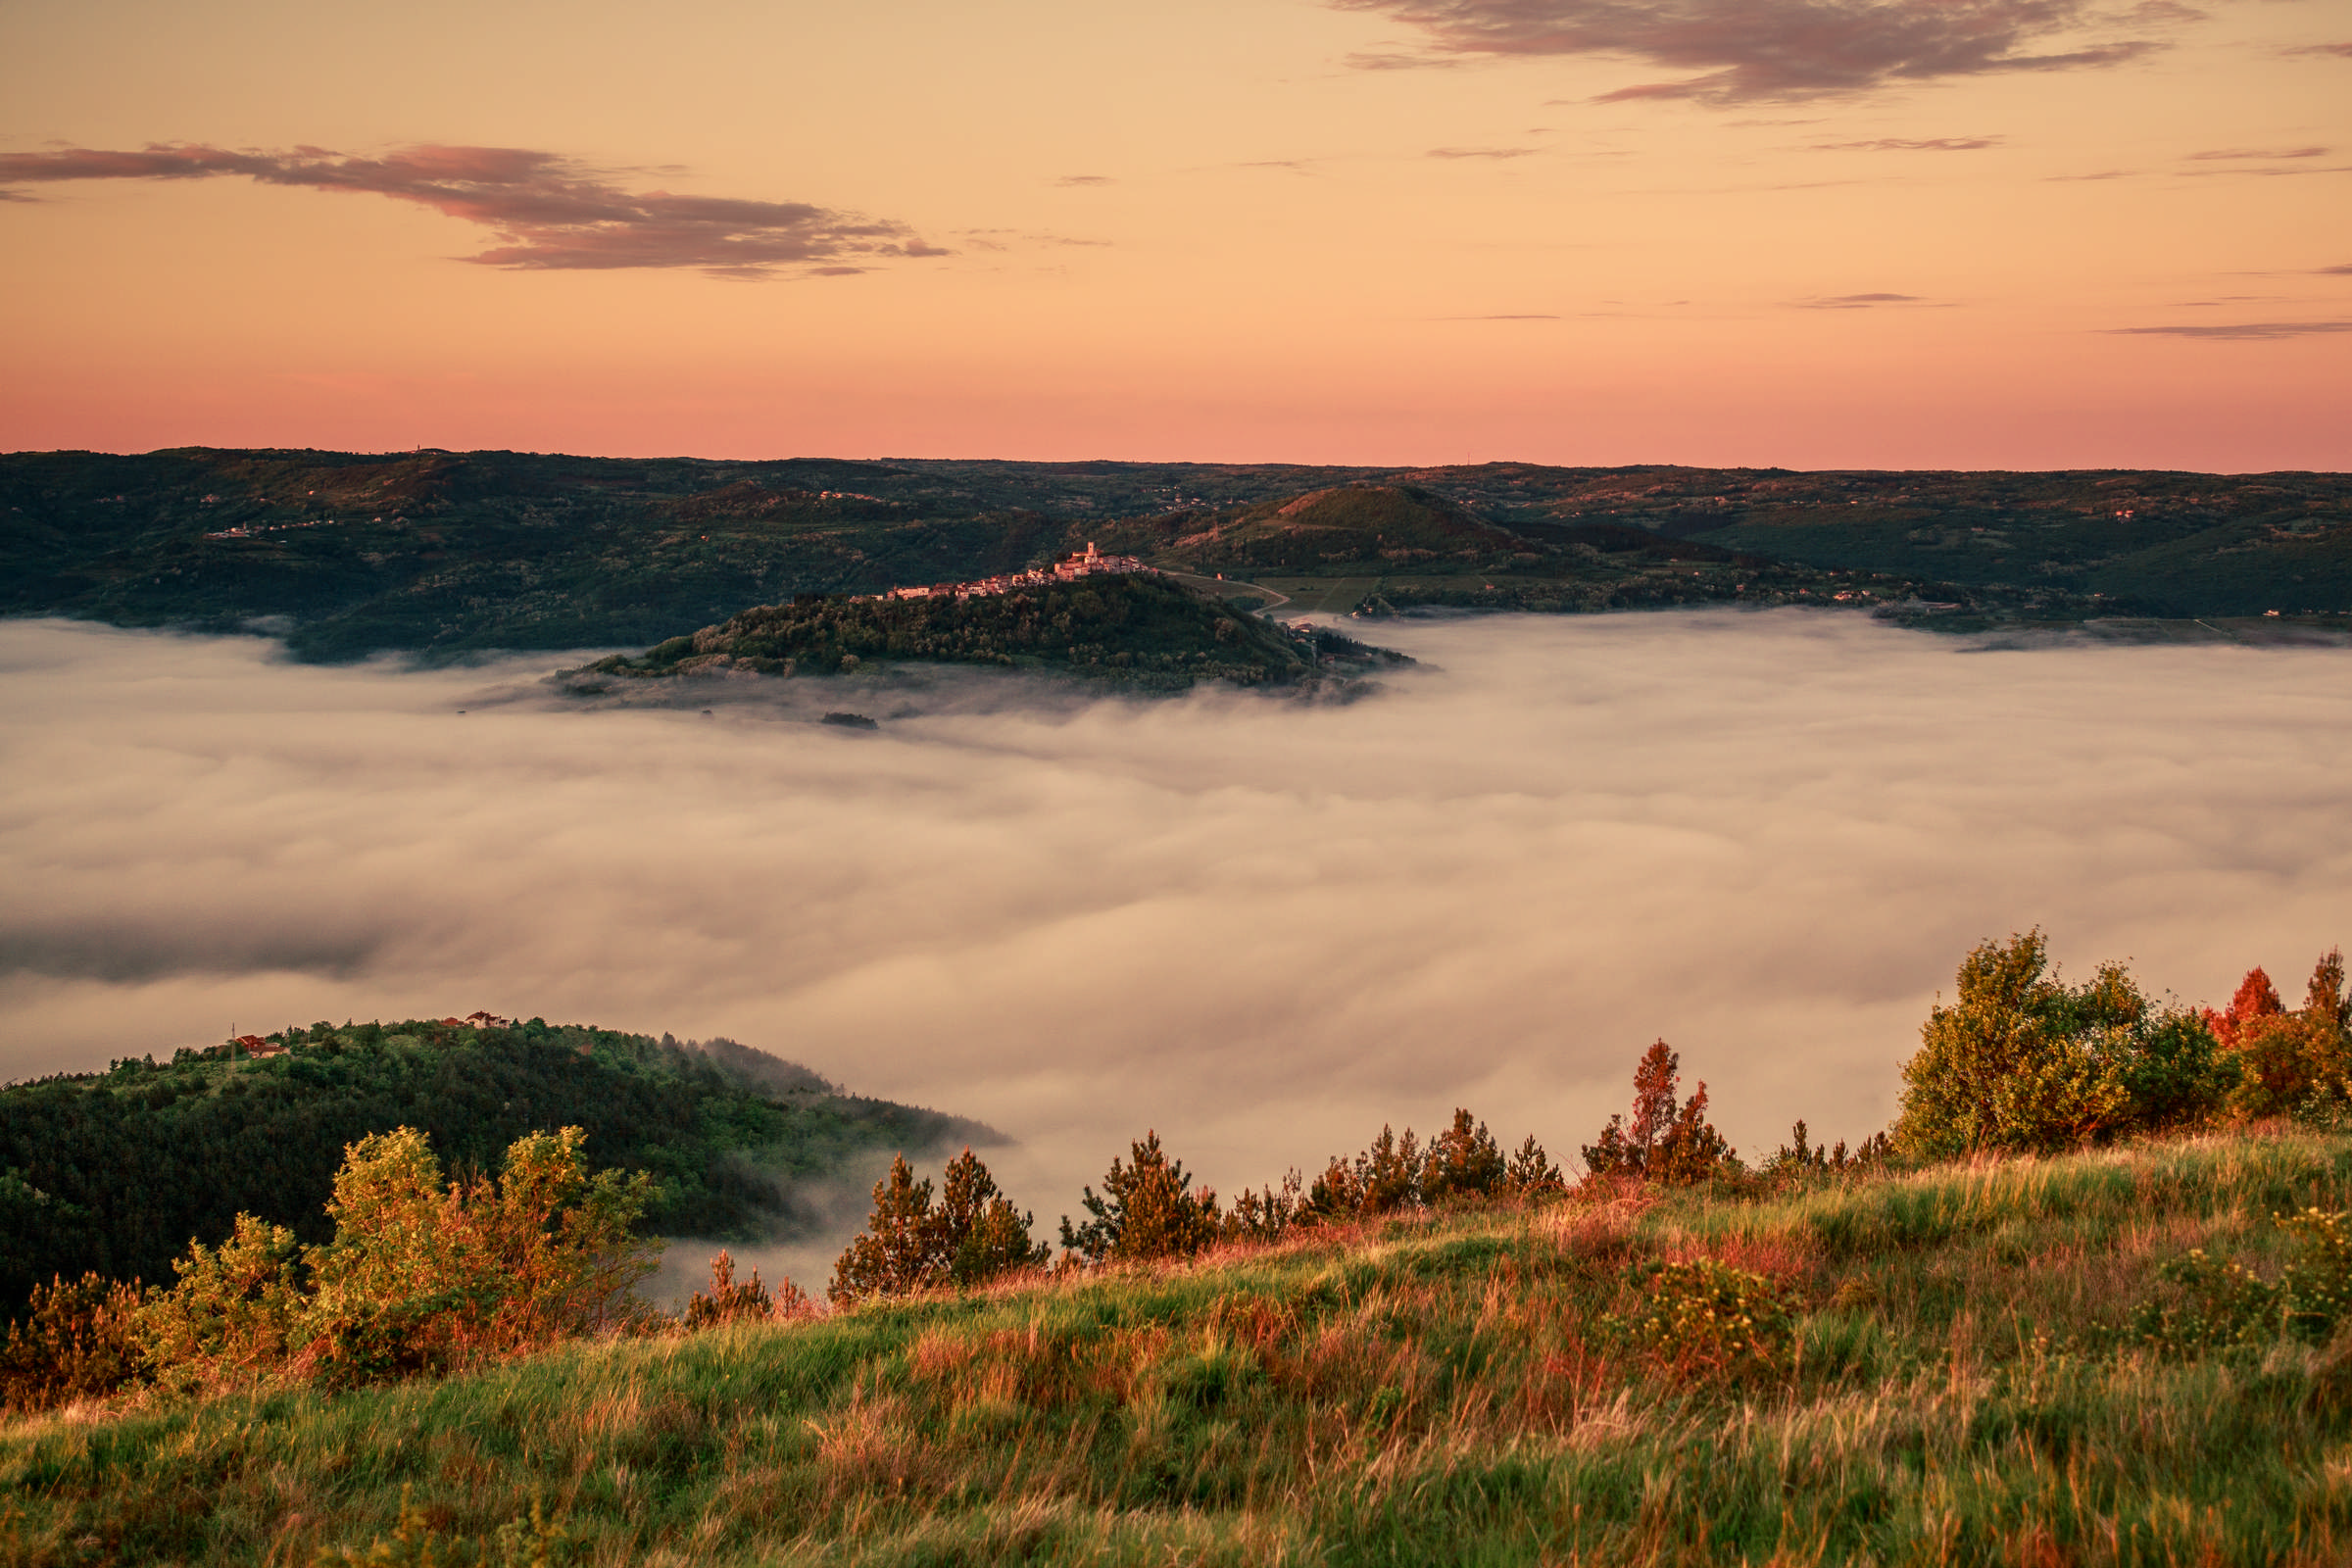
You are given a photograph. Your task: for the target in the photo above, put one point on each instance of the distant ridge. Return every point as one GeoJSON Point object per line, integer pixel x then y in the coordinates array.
{"type": "Point", "coordinates": [441, 553]}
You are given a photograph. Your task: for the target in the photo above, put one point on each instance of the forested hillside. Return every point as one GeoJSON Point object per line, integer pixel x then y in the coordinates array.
{"type": "Point", "coordinates": [117, 1171]}
{"type": "Point", "coordinates": [440, 553]}
{"type": "Point", "coordinates": [1139, 631]}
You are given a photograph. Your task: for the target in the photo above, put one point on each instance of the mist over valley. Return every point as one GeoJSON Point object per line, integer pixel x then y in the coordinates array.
{"type": "Point", "coordinates": [1262, 926]}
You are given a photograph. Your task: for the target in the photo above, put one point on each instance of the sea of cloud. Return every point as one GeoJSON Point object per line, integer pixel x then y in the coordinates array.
{"type": "Point", "coordinates": [1263, 927]}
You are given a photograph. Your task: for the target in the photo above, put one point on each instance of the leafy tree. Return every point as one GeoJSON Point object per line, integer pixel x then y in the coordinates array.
{"type": "Point", "coordinates": [1147, 1210]}
{"type": "Point", "coordinates": [417, 1274]}
{"type": "Point", "coordinates": [2021, 1062]}
{"type": "Point", "coordinates": [115, 1171]}
{"type": "Point", "coordinates": [424, 1273]}
{"type": "Point", "coordinates": [1668, 1140]}
{"type": "Point", "coordinates": [2287, 1061]}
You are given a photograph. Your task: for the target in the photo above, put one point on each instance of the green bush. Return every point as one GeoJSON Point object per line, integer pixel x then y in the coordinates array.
{"type": "Point", "coordinates": [233, 1317]}
{"type": "Point", "coordinates": [2023, 1063]}
{"type": "Point", "coordinates": [418, 1274]}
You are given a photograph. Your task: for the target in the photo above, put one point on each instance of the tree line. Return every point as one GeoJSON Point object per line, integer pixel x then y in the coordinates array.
{"type": "Point", "coordinates": [416, 1272]}
{"type": "Point", "coordinates": [113, 1172]}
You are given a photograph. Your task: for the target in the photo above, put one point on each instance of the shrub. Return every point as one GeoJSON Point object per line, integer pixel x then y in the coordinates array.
{"type": "Point", "coordinates": [2023, 1063]}
{"type": "Point", "coordinates": [1265, 1216]}
{"type": "Point", "coordinates": [1705, 1319]}
{"type": "Point", "coordinates": [417, 1274]}
{"type": "Point", "coordinates": [1798, 1158]}
{"type": "Point", "coordinates": [231, 1318]}
{"type": "Point", "coordinates": [727, 1300]}
{"type": "Point", "coordinates": [76, 1340]}
{"type": "Point", "coordinates": [421, 1274]}
{"type": "Point", "coordinates": [1668, 1141]}
{"type": "Point", "coordinates": [1146, 1210]}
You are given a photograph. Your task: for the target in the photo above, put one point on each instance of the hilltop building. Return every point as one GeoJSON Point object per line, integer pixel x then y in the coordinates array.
{"type": "Point", "coordinates": [1087, 563]}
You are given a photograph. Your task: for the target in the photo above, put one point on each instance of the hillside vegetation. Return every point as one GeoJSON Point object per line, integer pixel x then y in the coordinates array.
{"type": "Point", "coordinates": [113, 1172]}
{"type": "Point", "coordinates": [1952, 1366]}
{"type": "Point", "coordinates": [1139, 631]}
{"type": "Point", "coordinates": [442, 552]}
{"type": "Point", "coordinates": [2116, 1328]}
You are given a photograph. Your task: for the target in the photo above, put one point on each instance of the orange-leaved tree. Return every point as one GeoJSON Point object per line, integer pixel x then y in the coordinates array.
{"type": "Point", "coordinates": [2288, 1061]}
{"type": "Point", "coordinates": [1669, 1141]}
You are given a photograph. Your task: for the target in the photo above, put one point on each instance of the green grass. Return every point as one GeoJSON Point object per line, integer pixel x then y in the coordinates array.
{"type": "Point", "coordinates": [1957, 1388]}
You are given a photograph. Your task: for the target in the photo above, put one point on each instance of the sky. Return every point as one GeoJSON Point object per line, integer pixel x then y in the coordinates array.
{"type": "Point", "coordinates": [1260, 927]}
{"type": "Point", "coordinates": [2023, 233]}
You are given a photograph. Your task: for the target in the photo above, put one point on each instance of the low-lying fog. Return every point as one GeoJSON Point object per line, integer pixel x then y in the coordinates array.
{"type": "Point", "coordinates": [1262, 927]}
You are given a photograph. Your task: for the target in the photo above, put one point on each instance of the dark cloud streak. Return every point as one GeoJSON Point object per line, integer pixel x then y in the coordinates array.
{"type": "Point", "coordinates": [2237, 332]}
{"type": "Point", "coordinates": [1761, 49]}
{"type": "Point", "coordinates": [1904, 144]}
{"type": "Point", "coordinates": [549, 213]}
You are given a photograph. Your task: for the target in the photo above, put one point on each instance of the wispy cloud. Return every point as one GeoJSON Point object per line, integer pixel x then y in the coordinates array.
{"type": "Point", "coordinates": [1858, 302]}
{"type": "Point", "coordinates": [1480, 152]}
{"type": "Point", "coordinates": [2335, 272]}
{"type": "Point", "coordinates": [2343, 51]}
{"type": "Point", "coordinates": [1519, 316]}
{"type": "Point", "coordinates": [1905, 144]}
{"type": "Point", "coordinates": [2266, 153]}
{"type": "Point", "coordinates": [549, 213]}
{"type": "Point", "coordinates": [2239, 333]}
{"type": "Point", "coordinates": [1086, 179]}
{"type": "Point", "coordinates": [1763, 49]}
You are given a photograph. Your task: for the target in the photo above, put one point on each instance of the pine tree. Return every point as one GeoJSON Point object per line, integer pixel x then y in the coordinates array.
{"type": "Point", "coordinates": [898, 1253]}
{"type": "Point", "coordinates": [1144, 1212]}
{"type": "Point", "coordinates": [1463, 1161]}
{"type": "Point", "coordinates": [981, 1234]}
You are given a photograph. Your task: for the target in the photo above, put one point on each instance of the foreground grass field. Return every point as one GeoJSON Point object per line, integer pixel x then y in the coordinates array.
{"type": "Point", "coordinates": [1955, 1380]}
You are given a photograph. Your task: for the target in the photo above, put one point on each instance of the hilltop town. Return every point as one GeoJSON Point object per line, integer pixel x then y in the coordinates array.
{"type": "Point", "coordinates": [1087, 563]}
{"type": "Point", "coordinates": [1105, 618]}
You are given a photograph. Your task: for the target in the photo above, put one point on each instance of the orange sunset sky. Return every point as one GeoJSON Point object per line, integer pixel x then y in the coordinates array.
{"type": "Point", "coordinates": [2027, 234]}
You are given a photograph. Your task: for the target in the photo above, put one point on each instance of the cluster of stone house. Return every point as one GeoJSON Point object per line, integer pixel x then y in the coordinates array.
{"type": "Point", "coordinates": [1087, 562]}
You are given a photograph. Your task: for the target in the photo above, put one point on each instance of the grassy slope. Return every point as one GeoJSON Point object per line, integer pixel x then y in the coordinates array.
{"type": "Point", "coordinates": [1431, 1391]}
